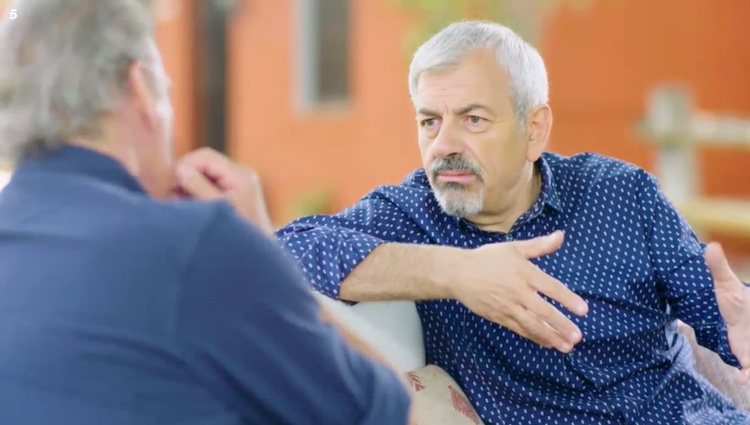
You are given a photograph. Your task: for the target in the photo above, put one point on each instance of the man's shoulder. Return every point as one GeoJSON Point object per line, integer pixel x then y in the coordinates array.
{"type": "Point", "coordinates": [593, 169]}
{"type": "Point", "coordinates": [211, 236]}
{"type": "Point", "coordinates": [413, 187]}
{"type": "Point", "coordinates": [417, 179]}
{"type": "Point", "coordinates": [201, 219]}
{"type": "Point", "coordinates": [161, 217]}
{"type": "Point", "coordinates": [412, 197]}
{"type": "Point", "coordinates": [174, 229]}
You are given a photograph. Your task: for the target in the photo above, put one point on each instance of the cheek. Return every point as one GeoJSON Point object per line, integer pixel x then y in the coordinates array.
{"type": "Point", "coordinates": [500, 155]}
{"type": "Point", "coordinates": [424, 150]}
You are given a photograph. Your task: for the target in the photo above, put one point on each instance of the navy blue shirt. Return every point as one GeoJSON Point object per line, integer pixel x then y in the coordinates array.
{"type": "Point", "coordinates": [116, 308]}
{"type": "Point", "coordinates": [627, 252]}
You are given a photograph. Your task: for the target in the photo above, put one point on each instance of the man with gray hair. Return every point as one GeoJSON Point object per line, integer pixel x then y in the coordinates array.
{"type": "Point", "coordinates": [118, 306]}
{"type": "Point", "coordinates": [534, 330]}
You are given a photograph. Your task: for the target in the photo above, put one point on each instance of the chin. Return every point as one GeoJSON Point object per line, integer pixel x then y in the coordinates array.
{"type": "Point", "coordinates": [460, 205]}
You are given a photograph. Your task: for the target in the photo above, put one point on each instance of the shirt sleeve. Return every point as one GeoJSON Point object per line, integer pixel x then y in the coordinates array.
{"type": "Point", "coordinates": [328, 248]}
{"type": "Point", "coordinates": [252, 332]}
{"type": "Point", "coordinates": [682, 274]}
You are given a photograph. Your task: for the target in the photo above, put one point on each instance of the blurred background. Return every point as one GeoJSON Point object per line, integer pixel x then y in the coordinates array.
{"type": "Point", "coordinates": [313, 93]}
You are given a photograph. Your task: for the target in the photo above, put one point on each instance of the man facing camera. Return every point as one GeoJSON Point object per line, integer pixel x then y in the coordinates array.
{"type": "Point", "coordinates": [534, 330]}
{"type": "Point", "coordinates": [119, 307]}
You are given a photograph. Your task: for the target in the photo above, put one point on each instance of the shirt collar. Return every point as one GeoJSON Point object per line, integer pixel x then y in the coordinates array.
{"type": "Point", "coordinates": [68, 159]}
{"type": "Point", "coordinates": [548, 193]}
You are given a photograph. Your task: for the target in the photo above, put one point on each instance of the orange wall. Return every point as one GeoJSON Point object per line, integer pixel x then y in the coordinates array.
{"type": "Point", "coordinates": [175, 35]}
{"type": "Point", "coordinates": [602, 62]}
{"type": "Point", "coordinates": [350, 150]}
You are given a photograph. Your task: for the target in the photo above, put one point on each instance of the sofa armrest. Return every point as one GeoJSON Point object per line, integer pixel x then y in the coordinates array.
{"type": "Point", "coordinates": [393, 328]}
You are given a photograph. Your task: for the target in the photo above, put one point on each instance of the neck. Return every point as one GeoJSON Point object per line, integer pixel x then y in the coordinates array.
{"type": "Point", "coordinates": [521, 199]}
{"type": "Point", "coordinates": [107, 145]}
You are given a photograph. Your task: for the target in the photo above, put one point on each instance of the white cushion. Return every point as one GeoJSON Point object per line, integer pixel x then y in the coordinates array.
{"type": "Point", "coordinates": [439, 400]}
{"type": "Point", "coordinates": [391, 327]}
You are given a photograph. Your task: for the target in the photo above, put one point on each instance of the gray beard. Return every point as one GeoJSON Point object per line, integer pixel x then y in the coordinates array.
{"type": "Point", "coordinates": [456, 201]}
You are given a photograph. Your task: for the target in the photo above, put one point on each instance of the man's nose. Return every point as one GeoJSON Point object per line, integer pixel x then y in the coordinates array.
{"type": "Point", "coordinates": [448, 141]}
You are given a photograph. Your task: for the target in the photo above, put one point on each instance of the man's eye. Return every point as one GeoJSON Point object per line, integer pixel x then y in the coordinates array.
{"type": "Point", "coordinates": [429, 122]}
{"type": "Point", "coordinates": [475, 119]}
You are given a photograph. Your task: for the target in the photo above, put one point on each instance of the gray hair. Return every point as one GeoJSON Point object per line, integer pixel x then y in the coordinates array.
{"type": "Point", "coordinates": [522, 63]}
{"type": "Point", "coordinates": [63, 65]}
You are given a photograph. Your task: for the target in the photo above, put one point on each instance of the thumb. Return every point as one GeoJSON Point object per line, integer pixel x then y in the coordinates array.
{"type": "Point", "coordinates": [540, 246]}
{"type": "Point", "coordinates": [719, 267]}
{"type": "Point", "coordinates": [196, 184]}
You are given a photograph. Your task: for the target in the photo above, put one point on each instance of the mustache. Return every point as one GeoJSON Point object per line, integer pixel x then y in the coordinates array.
{"type": "Point", "coordinates": [455, 163]}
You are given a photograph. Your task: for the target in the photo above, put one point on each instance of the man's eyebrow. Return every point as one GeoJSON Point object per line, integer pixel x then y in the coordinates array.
{"type": "Point", "coordinates": [460, 111]}
{"type": "Point", "coordinates": [468, 108]}
{"type": "Point", "coordinates": [428, 112]}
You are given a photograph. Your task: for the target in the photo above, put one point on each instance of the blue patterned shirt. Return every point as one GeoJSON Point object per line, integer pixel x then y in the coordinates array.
{"type": "Point", "coordinates": [627, 252]}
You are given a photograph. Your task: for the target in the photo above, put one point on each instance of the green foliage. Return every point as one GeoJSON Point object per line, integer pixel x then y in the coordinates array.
{"type": "Point", "coordinates": [316, 201]}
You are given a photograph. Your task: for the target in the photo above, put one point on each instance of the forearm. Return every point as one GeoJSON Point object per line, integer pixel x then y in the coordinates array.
{"type": "Point", "coordinates": [395, 271]}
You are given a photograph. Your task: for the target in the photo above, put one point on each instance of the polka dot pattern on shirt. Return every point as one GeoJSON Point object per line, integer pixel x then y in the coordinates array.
{"type": "Point", "coordinates": [627, 252]}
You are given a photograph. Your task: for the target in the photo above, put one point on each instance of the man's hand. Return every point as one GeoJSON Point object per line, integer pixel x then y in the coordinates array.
{"type": "Point", "coordinates": [207, 174]}
{"type": "Point", "coordinates": [734, 304]}
{"type": "Point", "coordinates": [499, 283]}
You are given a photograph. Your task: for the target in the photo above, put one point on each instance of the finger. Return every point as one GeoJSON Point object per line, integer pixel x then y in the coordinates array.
{"type": "Point", "coordinates": [516, 327]}
{"type": "Point", "coordinates": [540, 246]}
{"type": "Point", "coordinates": [548, 314]}
{"type": "Point", "coordinates": [196, 184]}
{"type": "Point", "coordinates": [203, 156]}
{"type": "Point", "coordinates": [209, 162]}
{"type": "Point", "coordinates": [555, 290]}
{"type": "Point", "coordinates": [525, 324]}
{"type": "Point", "coordinates": [543, 334]}
{"type": "Point", "coordinates": [225, 173]}
{"type": "Point", "coordinates": [722, 274]}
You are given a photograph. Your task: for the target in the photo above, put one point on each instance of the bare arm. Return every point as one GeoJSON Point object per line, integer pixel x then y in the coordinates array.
{"type": "Point", "coordinates": [496, 281]}
{"type": "Point", "coordinates": [395, 271]}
